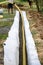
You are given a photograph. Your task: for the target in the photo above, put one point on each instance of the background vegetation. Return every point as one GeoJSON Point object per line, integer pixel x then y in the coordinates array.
{"type": "Point", "coordinates": [38, 3]}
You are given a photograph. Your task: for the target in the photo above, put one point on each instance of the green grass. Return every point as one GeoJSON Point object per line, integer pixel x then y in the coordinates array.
{"type": "Point", "coordinates": [34, 32]}
{"type": "Point", "coordinates": [7, 15]}
{"type": "Point", "coordinates": [3, 36]}
{"type": "Point", "coordinates": [3, 24]}
{"type": "Point", "coordinates": [2, 0]}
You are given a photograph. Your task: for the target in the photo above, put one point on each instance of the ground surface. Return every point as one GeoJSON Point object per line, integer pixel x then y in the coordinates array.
{"type": "Point", "coordinates": [36, 26]}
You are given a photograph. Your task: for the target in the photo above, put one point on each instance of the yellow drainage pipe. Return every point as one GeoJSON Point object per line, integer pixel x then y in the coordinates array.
{"type": "Point", "coordinates": [18, 8]}
{"type": "Point", "coordinates": [24, 45]}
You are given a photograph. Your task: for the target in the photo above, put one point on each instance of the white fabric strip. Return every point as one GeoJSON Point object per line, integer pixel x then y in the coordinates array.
{"type": "Point", "coordinates": [30, 44]}
{"type": "Point", "coordinates": [11, 47]}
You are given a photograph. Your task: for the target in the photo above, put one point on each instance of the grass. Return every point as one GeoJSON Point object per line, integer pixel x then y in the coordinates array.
{"type": "Point", "coordinates": [6, 23]}
{"type": "Point", "coordinates": [34, 32]}
{"type": "Point", "coordinates": [3, 36]}
{"type": "Point", "coordinates": [3, 24]}
{"type": "Point", "coordinates": [6, 14]}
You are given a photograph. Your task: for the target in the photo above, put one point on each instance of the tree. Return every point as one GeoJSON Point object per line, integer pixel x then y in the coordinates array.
{"type": "Point", "coordinates": [23, 0]}
{"type": "Point", "coordinates": [36, 1]}
{"type": "Point", "coordinates": [2, 0]}
{"type": "Point", "coordinates": [30, 2]}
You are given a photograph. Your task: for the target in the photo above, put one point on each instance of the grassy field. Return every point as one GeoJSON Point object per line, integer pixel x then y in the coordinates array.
{"type": "Point", "coordinates": [3, 36]}
{"type": "Point", "coordinates": [3, 24]}
{"type": "Point", "coordinates": [6, 23]}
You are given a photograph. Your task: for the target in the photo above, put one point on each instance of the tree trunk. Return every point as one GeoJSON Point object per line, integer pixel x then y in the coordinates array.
{"type": "Point", "coordinates": [37, 5]}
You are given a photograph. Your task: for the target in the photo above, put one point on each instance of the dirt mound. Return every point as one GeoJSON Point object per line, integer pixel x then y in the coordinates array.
{"type": "Point", "coordinates": [38, 19]}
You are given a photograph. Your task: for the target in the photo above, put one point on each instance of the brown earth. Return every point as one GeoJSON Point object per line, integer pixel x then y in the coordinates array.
{"type": "Point", "coordinates": [1, 52]}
